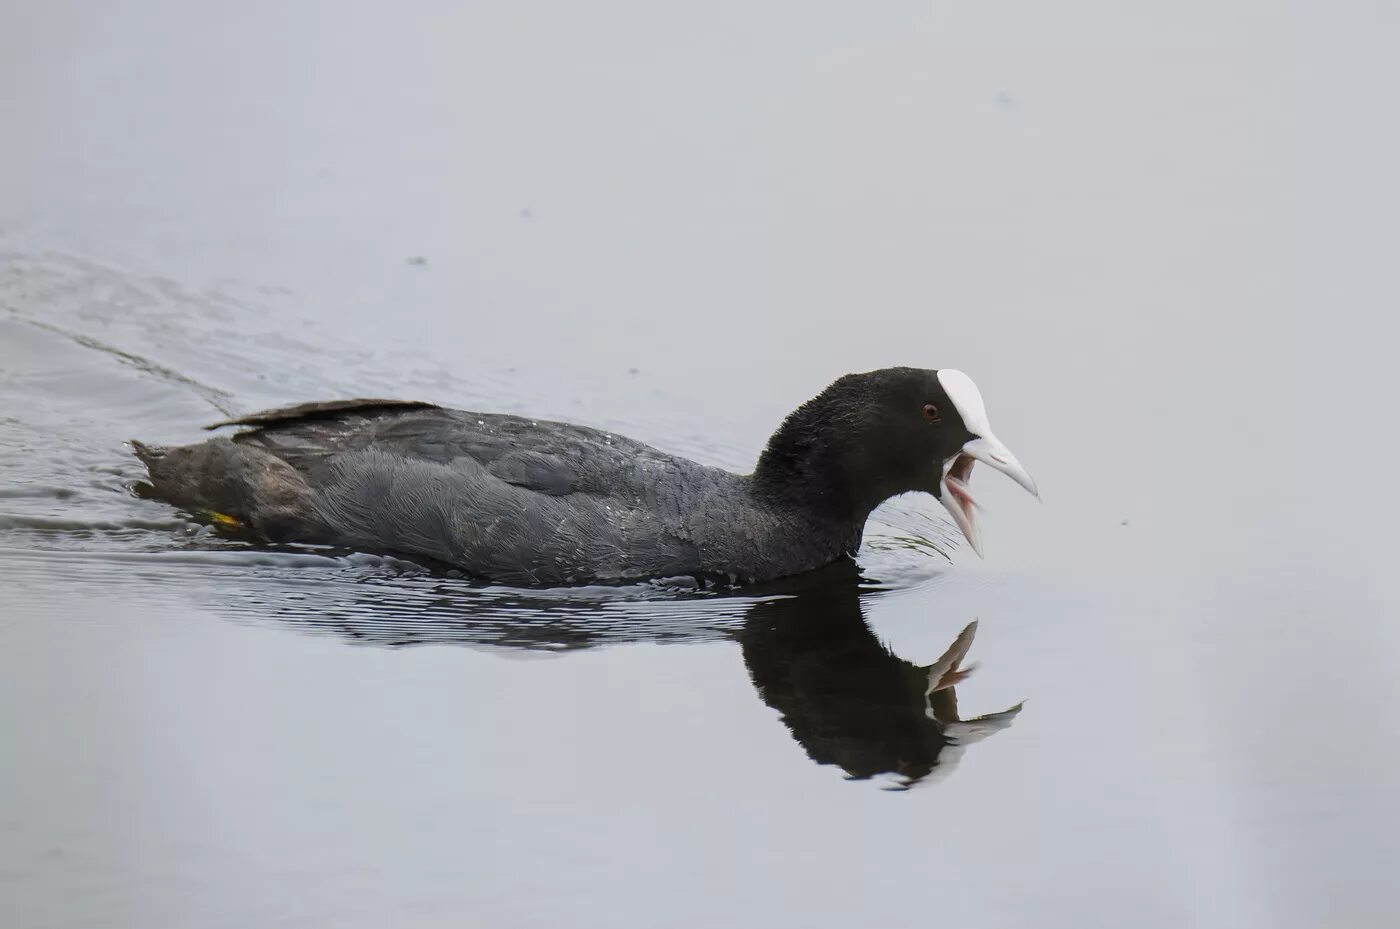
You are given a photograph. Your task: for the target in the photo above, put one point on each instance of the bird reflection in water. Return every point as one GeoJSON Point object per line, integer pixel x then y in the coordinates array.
{"type": "Point", "coordinates": [850, 701]}
{"type": "Point", "coordinates": [843, 695]}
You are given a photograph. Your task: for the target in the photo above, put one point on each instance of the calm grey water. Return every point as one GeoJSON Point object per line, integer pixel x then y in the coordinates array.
{"type": "Point", "coordinates": [1161, 238]}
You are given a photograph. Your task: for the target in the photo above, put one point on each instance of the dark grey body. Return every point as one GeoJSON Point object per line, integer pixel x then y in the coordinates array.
{"type": "Point", "coordinates": [536, 502]}
{"type": "Point", "coordinates": [501, 497]}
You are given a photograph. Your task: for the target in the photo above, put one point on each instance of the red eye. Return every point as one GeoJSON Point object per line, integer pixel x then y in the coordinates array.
{"type": "Point", "coordinates": [931, 413]}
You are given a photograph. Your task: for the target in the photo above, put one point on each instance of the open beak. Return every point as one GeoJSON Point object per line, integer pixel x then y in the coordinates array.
{"type": "Point", "coordinates": [953, 491]}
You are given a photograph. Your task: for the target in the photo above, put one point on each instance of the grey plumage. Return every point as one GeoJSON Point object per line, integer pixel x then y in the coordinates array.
{"type": "Point", "coordinates": [481, 492]}
{"type": "Point", "coordinates": [546, 503]}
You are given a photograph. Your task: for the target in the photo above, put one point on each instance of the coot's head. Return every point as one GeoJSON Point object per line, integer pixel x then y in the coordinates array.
{"type": "Point", "coordinates": [871, 436]}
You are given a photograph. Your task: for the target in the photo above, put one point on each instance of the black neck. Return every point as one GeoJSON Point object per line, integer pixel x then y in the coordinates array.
{"type": "Point", "coordinates": [811, 463]}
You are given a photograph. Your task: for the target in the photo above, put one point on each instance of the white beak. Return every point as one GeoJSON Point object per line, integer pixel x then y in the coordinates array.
{"type": "Point", "coordinates": [989, 450]}
{"type": "Point", "coordinates": [953, 492]}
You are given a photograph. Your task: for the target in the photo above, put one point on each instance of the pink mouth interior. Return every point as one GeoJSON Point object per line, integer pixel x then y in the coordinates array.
{"type": "Point", "coordinates": [957, 479]}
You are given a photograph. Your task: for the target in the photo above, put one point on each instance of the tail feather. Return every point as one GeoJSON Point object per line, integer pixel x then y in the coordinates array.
{"type": "Point", "coordinates": [149, 454]}
{"type": "Point", "coordinates": [230, 479]}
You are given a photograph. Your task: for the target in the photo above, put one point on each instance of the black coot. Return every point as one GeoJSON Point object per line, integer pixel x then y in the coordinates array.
{"type": "Point", "coordinates": [533, 502]}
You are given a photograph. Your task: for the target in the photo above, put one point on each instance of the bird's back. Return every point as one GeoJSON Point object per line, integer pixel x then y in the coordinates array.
{"type": "Point", "coordinates": [504, 497]}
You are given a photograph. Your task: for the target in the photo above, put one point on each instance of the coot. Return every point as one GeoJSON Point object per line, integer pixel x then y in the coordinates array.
{"type": "Point", "coordinates": [522, 501]}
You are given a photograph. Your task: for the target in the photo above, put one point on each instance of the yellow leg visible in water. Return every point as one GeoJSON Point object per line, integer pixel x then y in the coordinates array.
{"type": "Point", "coordinates": [222, 519]}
